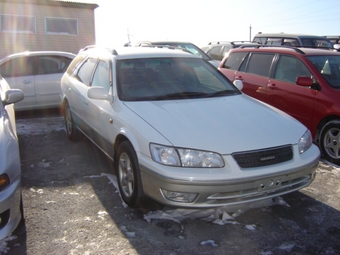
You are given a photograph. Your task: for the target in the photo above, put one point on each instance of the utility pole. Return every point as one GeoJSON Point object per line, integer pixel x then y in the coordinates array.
{"type": "Point", "coordinates": [250, 33]}
{"type": "Point", "coordinates": [128, 35]}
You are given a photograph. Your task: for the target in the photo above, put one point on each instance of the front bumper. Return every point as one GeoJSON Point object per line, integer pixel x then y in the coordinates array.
{"type": "Point", "coordinates": [242, 191]}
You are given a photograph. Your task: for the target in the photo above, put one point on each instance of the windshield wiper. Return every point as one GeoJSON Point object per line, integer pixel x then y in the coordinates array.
{"type": "Point", "coordinates": [222, 93]}
{"type": "Point", "coordinates": [187, 94]}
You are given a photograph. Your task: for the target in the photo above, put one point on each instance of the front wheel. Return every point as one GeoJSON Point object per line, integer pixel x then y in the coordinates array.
{"type": "Point", "coordinates": [128, 175]}
{"type": "Point", "coordinates": [330, 141]}
{"type": "Point", "coordinates": [71, 131]}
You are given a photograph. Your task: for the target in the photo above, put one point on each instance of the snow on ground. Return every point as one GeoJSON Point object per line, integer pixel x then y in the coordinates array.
{"type": "Point", "coordinates": [220, 216]}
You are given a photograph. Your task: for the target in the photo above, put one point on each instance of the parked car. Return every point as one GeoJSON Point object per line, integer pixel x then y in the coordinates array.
{"type": "Point", "coordinates": [11, 210]}
{"type": "Point", "coordinates": [38, 75]}
{"type": "Point", "coordinates": [218, 50]}
{"type": "Point", "coordinates": [304, 83]}
{"type": "Point", "coordinates": [181, 133]}
{"type": "Point", "coordinates": [184, 45]}
{"type": "Point", "coordinates": [335, 40]}
{"type": "Point", "coordinates": [293, 40]}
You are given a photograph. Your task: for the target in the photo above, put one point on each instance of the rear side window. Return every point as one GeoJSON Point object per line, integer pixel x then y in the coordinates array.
{"type": "Point", "coordinates": [260, 64]}
{"type": "Point", "coordinates": [16, 67]}
{"type": "Point", "coordinates": [234, 60]}
{"type": "Point", "coordinates": [291, 42]}
{"type": "Point", "coordinates": [274, 41]}
{"type": "Point", "coordinates": [214, 52]}
{"type": "Point", "coordinates": [52, 64]}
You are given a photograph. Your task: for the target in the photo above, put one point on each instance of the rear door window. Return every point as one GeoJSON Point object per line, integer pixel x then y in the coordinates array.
{"type": "Point", "coordinates": [260, 64]}
{"type": "Point", "coordinates": [52, 64]}
{"type": "Point", "coordinates": [214, 52]}
{"type": "Point", "coordinates": [234, 60]}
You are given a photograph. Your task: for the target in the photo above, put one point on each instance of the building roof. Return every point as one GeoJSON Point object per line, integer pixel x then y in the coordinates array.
{"type": "Point", "coordinates": [63, 3]}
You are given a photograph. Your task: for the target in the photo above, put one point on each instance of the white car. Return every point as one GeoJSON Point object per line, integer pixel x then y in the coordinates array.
{"type": "Point", "coordinates": [38, 75]}
{"type": "Point", "coordinates": [10, 168]}
{"type": "Point", "coordinates": [181, 133]}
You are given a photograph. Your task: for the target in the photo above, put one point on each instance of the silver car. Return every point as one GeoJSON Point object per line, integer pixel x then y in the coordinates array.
{"type": "Point", "coordinates": [10, 170]}
{"type": "Point", "coordinates": [38, 75]}
{"type": "Point", "coordinates": [181, 133]}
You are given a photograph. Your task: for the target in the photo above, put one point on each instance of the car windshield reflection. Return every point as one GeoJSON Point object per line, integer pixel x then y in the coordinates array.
{"type": "Point", "coordinates": [329, 67]}
{"type": "Point", "coordinates": [170, 79]}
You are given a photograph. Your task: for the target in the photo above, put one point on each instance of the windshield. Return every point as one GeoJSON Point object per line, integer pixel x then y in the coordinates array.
{"type": "Point", "coordinates": [328, 66]}
{"type": "Point", "coordinates": [170, 79]}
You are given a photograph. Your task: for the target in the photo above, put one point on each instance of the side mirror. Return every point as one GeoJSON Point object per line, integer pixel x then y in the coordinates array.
{"type": "Point", "coordinates": [12, 96]}
{"type": "Point", "coordinates": [304, 81]}
{"type": "Point", "coordinates": [98, 93]}
{"type": "Point", "coordinates": [238, 84]}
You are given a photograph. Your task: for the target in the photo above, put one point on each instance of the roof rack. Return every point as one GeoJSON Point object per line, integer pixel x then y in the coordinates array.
{"type": "Point", "coordinates": [89, 47]}
{"type": "Point", "coordinates": [166, 47]}
{"type": "Point", "coordinates": [218, 42]}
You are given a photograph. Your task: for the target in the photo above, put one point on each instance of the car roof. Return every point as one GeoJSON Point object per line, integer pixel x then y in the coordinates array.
{"type": "Point", "coordinates": [288, 35]}
{"type": "Point", "coordinates": [138, 52]}
{"type": "Point", "coordinates": [38, 53]}
{"type": "Point", "coordinates": [164, 42]}
{"type": "Point", "coordinates": [290, 50]}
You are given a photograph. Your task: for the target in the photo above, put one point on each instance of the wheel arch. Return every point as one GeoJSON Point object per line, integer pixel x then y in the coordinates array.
{"type": "Point", "coordinates": [321, 124]}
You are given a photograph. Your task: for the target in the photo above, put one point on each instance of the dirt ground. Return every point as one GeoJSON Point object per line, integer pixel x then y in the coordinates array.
{"type": "Point", "coordinates": [71, 206]}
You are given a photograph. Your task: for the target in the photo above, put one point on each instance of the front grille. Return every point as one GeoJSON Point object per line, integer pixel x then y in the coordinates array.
{"type": "Point", "coordinates": [265, 157]}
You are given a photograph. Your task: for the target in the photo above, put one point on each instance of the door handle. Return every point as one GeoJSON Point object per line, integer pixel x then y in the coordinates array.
{"type": "Point", "coordinates": [272, 85]}
{"type": "Point", "coordinates": [238, 78]}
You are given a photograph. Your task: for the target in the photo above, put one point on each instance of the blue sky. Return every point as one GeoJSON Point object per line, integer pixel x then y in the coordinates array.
{"type": "Point", "coordinates": [201, 22]}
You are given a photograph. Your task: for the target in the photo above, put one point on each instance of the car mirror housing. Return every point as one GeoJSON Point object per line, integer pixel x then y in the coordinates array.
{"type": "Point", "coordinates": [98, 93]}
{"type": "Point", "coordinates": [12, 96]}
{"type": "Point", "coordinates": [304, 81]}
{"type": "Point", "coordinates": [238, 84]}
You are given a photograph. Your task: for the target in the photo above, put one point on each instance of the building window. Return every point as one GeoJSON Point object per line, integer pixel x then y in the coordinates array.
{"type": "Point", "coordinates": [17, 24]}
{"type": "Point", "coordinates": [61, 26]}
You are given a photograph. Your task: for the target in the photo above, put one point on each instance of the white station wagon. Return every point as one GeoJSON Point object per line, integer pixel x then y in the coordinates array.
{"type": "Point", "coordinates": [181, 133]}
{"type": "Point", "coordinates": [37, 74]}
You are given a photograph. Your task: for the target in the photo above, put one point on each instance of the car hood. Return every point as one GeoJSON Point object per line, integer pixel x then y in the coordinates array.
{"type": "Point", "coordinates": [224, 124]}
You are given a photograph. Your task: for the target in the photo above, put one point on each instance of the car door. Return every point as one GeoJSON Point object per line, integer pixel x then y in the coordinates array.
{"type": "Point", "coordinates": [255, 74]}
{"type": "Point", "coordinates": [77, 94]}
{"type": "Point", "coordinates": [99, 115]}
{"type": "Point", "coordinates": [50, 69]}
{"type": "Point", "coordinates": [229, 66]}
{"type": "Point", "coordinates": [19, 74]}
{"type": "Point", "coordinates": [286, 95]}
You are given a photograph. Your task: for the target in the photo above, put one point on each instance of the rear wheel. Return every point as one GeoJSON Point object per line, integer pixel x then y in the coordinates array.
{"type": "Point", "coordinates": [71, 131]}
{"type": "Point", "coordinates": [128, 175]}
{"type": "Point", "coordinates": [330, 141]}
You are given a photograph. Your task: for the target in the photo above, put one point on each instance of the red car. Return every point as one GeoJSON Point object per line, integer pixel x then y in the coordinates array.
{"type": "Point", "coordinates": [303, 82]}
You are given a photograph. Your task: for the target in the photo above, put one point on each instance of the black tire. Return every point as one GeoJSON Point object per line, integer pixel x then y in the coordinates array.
{"type": "Point", "coordinates": [330, 141]}
{"type": "Point", "coordinates": [128, 175]}
{"type": "Point", "coordinates": [71, 131]}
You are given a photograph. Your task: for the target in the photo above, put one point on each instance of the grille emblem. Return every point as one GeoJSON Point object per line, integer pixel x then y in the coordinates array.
{"type": "Point", "coordinates": [267, 158]}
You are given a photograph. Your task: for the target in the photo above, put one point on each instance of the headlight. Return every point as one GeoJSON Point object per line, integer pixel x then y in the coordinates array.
{"type": "Point", "coordinates": [172, 156]}
{"type": "Point", "coordinates": [305, 142]}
